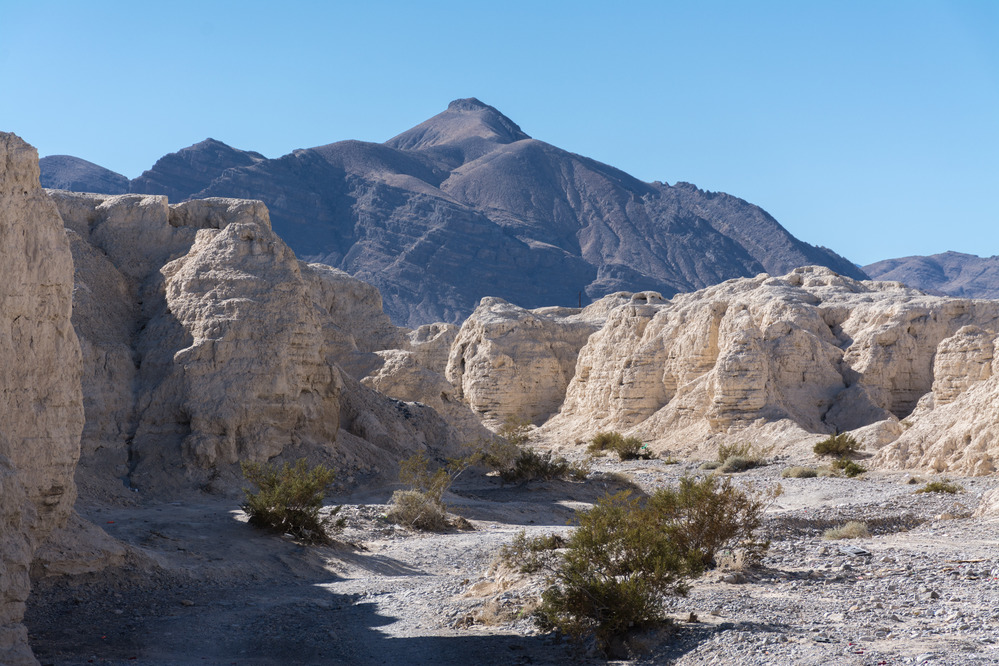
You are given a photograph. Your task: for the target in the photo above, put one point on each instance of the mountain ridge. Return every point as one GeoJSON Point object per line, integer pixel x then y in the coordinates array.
{"type": "Point", "coordinates": [950, 273]}
{"type": "Point", "coordinates": [466, 205]}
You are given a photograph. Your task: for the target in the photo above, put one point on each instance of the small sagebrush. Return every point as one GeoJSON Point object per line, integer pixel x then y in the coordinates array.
{"type": "Point", "coordinates": [290, 499]}
{"type": "Point", "coordinates": [626, 448]}
{"type": "Point", "coordinates": [851, 530]}
{"type": "Point", "coordinates": [848, 467]}
{"type": "Point", "coordinates": [734, 458]}
{"type": "Point", "coordinates": [422, 506]}
{"type": "Point", "coordinates": [799, 472]}
{"type": "Point", "coordinates": [418, 511]}
{"type": "Point", "coordinates": [531, 554]}
{"type": "Point", "coordinates": [941, 486]}
{"type": "Point", "coordinates": [532, 465]}
{"type": "Point", "coordinates": [837, 445]}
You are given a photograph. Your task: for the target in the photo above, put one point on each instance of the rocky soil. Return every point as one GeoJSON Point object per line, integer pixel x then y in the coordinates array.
{"type": "Point", "coordinates": [201, 586]}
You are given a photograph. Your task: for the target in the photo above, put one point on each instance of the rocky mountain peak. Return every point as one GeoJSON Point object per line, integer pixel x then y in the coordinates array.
{"type": "Point", "coordinates": [464, 121]}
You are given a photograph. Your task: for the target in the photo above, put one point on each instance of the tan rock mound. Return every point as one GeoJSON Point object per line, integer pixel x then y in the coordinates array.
{"type": "Point", "coordinates": [41, 407]}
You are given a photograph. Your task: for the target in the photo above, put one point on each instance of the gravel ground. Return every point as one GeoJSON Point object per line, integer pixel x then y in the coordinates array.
{"type": "Point", "coordinates": [200, 586]}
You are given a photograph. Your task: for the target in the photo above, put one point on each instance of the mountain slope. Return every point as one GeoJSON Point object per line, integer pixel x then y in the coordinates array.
{"type": "Point", "coordinates": [65, 172]}
{"type": "Point", "coordinates": [950, 273]}
{"type": "Point", "coordinates": [466, 205]}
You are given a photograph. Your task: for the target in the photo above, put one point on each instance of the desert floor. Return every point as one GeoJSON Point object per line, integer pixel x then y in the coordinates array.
{"type": "Point", "coordinates": [200, 586]}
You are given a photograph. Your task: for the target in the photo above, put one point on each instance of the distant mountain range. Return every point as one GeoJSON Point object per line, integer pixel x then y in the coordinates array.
{"type": "Point", "coordinates": [950, 273]}
{"type": "Point", "coordinates": [466, 205]}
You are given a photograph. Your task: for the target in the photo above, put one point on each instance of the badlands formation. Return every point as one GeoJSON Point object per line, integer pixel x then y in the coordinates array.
{"type": "Point", "coordinates": [197, 339]}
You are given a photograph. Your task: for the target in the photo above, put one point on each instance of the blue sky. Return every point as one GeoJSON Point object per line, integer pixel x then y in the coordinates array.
{"type": "Point", "coordinates": [868, 127]}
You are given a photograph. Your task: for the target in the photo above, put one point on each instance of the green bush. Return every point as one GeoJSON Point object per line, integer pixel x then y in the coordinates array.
{"type": "Point", "coordinates": [628, 553]}
{"type": "Point", "coordinates": [740, 450]}
{"type": "Point", "coordinates": [735, 458]}
{"type": "Point", "coordinates": [941, 486]}
{"type": "Point", "coordinates": [735, 464]}
{"type": "Point", "coordinates": [531, 554]}
{"type": "Point", "coordinates": [799, 473]}
{"type": "Point", "coordinates": [848, 467]}
{"type": "Point", "coordinates": [837, 445]}
{"type": "Point", "coordinates": [705, 515]}
{"type": "Point", "coordinates": [626, 448]}
{"type": "Point", "coordinates": [532, 465]}
{"type": "Point", "coordinates": [614, 573]}
{"type": "Point", "coordinates": [290, 499]}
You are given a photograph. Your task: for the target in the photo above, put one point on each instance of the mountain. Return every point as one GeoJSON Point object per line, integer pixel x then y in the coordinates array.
{"type": "Point", "coordinates": [466, 205]}
{"type": "Point", "coordinates": [65, 172]}
{"type": "Point", "coordinates": [950, 273]}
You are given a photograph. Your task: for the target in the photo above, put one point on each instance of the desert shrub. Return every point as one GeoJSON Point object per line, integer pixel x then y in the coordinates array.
{"type": "Point", "coordinates": [705, 515]}
{"type": "Point", "coordinates": [422, 505]}
{"type": "Point", "coordinates": [614, 574]}
{"type": "Point", "coordinates": [710, 465]}
{"type": "Point", "coordinates": [626, 448]}
{"type": "Point", "coordinates": [531, 554]}
{"type": "Point", "coordinates": [737, 464]}
{"type": "Point", "coordinates": [941, 486]}
{"type": "Point", "coordinates": [837, 445]}
{"type": "Point", "coordinates": [290, 499]}
{"type": "Point", "coordinates": [628, 554]}
{"type": "Point", "coordinates": [735, 458]}
{"type": "Point", "coordinates": [532, 465]}
{"type": "Point", "coordinates": [851, 530]}
{"type": "Point", "coordinates": [799, 473]}
{"type": "Point", "coordinates": [848, 467]}
{"type": "Point", "coordinates": [419, 511]}
{"type": "Point", "coordinates": [515, 431]}
{"type": "Point", "coordinates": [741, 450]}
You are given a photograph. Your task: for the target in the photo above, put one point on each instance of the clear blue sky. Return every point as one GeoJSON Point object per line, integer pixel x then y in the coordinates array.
{"type": "Point", "coordinates": [869, 127]}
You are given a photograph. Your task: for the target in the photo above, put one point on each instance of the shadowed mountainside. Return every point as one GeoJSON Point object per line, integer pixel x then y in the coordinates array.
{"type": "Point", "coordinates": [950, 273]}
{"type": "Point", "coordinates": [466, 205]}
{"type": "Point", "coordinates": [65, 172]}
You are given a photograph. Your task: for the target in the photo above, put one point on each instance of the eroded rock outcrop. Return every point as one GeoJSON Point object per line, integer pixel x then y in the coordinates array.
{"type": "Point", "coordinates": [508, 362]}
{"type": "Point", "coordinates": [41, 407]}
{"type": "Point", "coordinates": [208, 342]}
{"type": "Point", "coordinates": [782, 357]}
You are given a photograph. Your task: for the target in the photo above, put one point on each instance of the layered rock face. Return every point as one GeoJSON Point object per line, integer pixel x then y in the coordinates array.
{"type": "Point", "coordinates": [508, 362]}
{"type": "Point", "coordinates": [207, 342]}
{"type": "Point", "coordinates": [780, 359]}
{"type": "Point", "coordinates": [41, 407]}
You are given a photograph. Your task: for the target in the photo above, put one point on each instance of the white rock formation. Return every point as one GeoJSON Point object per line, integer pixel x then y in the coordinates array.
{"type": "Point", "coordinates": [212, 343]}
{"type": "Point", "coordinates": [508, 362]}
{"type": "Point", "coordinates": [41, 407]}
{"type": "Point", "coordinates": [774, 358]}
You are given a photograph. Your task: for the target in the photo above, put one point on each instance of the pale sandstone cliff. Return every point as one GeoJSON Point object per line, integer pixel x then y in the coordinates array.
{"type": "Point", "coordinates": [780, 360]}
{"type": "Point", "coordinates": [508, 362]}
{"type": "Point", "coordinates": [208, 342]}
{"type": "Point", "coordinates": [41, 407]}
